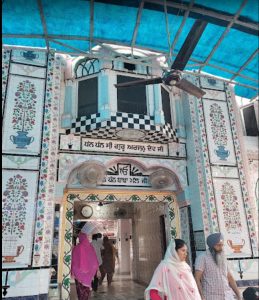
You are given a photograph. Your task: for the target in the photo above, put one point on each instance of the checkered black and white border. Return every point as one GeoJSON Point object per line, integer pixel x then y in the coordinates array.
{"type": "Point", "coordinates": [92, 126]}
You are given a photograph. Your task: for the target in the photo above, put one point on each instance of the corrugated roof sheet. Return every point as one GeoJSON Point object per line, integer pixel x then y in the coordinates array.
{"type": "Point", "coordinates": [81, 24]}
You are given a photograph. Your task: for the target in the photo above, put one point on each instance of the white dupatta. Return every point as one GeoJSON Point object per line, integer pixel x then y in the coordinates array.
{"type": "Point", "coordinates": [173, 278]}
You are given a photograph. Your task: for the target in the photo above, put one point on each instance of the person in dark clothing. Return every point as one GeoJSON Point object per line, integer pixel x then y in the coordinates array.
{"type": "Point", "coordinates": [108, 257]}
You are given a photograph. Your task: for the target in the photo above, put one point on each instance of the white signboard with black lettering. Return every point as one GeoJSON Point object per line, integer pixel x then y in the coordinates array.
{"type": "Point", "coordinates": [77, 143]}
{"type": "Point", "coordinates": [126, 175]}
{"type": "Point", "coordinates": [124, 147]}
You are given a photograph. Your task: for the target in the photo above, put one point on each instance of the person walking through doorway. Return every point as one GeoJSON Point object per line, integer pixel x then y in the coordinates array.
{"type": "Point", "coordinates": [173, 279]}
{"type": "Point", "coordinates": [212, 275]}
{"type": "Point", "coordinates": [84, 266]}
{"type": "Point", "coordinates": [108, 265]}
{"type": "Point", "coordinates": [97, 245]}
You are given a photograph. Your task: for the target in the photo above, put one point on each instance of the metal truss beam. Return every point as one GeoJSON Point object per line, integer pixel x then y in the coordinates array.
{"type": "Point", "coordinates": [43, 22]}
{"type": "Point", "coordinates": [207, 12]}
{"type": "Point", "coordinates": [141, 61]}
{"type": "Point", "coordinates": [186, 14]}
{"type": "Point", "coordinates": [134, 37]}
{"type": "Point", "coordinates": [91, 24]}
{"type": "Point", "coordinates": [245, 64]}
{"type": "Point", "coordinates": [226, 31]}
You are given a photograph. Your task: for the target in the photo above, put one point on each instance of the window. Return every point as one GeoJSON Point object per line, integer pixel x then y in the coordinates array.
{"type": "Point", "coordinates": [131, 99]}
{"type": "Point", "coordinates": [88, 97]}
{"type": "Point", "coordinates": [130, 67]}
{"type": "Point", "coordinates": [250, 121]}
{"type": "Point", "coordinates": [166, 105]}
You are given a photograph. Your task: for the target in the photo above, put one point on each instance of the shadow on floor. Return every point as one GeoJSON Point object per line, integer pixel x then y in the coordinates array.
{"type": "Point", "coordinates": [122, 288]}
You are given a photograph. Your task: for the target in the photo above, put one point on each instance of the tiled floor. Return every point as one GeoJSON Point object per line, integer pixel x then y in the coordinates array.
{"type": "Point", "coordinates": [122, 288]}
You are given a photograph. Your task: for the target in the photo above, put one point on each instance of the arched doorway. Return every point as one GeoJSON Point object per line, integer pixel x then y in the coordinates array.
{"type": "Point", "coordinates": [105, 195]}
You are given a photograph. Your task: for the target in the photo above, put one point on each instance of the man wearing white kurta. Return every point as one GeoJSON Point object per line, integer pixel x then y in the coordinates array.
{"type": "Point", "coordinates": [97, 243]}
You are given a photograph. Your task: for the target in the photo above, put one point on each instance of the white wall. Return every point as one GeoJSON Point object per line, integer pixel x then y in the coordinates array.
{"type": "Point", "coordinates": [124, 233]}
{"type": "Point", "coordinates": [147, 250]}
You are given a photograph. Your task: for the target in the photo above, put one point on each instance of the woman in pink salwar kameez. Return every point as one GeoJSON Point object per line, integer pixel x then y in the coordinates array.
{"type": "Point", "coordinates": [173, 279]}
{"type": "Point", "coordinates": [84, 266]}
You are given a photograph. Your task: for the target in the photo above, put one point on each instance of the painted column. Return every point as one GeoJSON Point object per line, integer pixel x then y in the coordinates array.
{"type": "Point", "coordinates": [179, 117]}
{"type": "Point", "coordinates": [66, 117]}
{"type": "Point", "coordinates": [104, 95]}
{"type": "Point", "coordinates": [158, 110]}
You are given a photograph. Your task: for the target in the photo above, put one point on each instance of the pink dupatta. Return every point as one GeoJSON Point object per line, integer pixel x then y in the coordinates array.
{"type": "Point", "coordinates": [84, 261]}
{"type": "Point", "coordinates": [173, 278]}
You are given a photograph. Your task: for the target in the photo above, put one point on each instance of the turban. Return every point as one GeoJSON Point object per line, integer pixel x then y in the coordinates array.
{"type": "Point", "coordinates": [213, 239]}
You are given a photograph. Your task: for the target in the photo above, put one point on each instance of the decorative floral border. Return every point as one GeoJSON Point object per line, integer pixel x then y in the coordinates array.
{"type": "Point", "coordinates": [5, 67]}
{"type": "Point", "coordinates": [185, 229]}
{"type": "Point", "coordinates": [199, 166]}
{"type": "Point", "coordinates": [46, 200]}
{"type": "Point", "coordinates": [43, 197]}
{"type": "Point", "coordinates": [52, 163]}
{"type": "Point", "coordinates": [207, 173]}
{"type": "Point", "coordinates": [247, 205]}
{"type": "Point", "coordinates": [106, 195]}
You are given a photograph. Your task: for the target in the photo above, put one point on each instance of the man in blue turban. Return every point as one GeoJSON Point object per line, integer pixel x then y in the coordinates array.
{"type": "Point", "coordinates": [214, 239]}
{"type": "Point", "coordinates": [212, 275]}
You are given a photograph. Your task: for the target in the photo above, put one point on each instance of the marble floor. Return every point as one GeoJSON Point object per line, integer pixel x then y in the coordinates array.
{"type": "Point", "coordinates": [122, 288]}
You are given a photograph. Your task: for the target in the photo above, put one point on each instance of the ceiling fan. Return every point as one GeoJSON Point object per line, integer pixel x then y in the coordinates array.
{"type": "Point", "coordinates": [173, 77]}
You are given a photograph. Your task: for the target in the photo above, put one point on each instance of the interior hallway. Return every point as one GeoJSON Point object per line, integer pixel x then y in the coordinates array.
{"type": "Point", "coordinates": [122, 288]}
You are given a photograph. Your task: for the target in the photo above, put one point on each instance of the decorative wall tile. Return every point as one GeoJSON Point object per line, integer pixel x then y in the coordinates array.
{"type": "Point", "coordinates": [224, 171]}
{"type": "Point", "coordinates": [218, 128]}
{"type": "Point", "coordinates": [5, 67]}
{"type": "Point", "coordinates": [45, 203]}
{"type": "Point", "coordinates": [198, 160]}
{"type": "Point", "coordinates": [52, 160]}
{"type": "Point", "coordinates": [254, 177]}
{"type": "Point", "coordinates": [70, 142]}
{"type": "Point", "coordinates": [247, 268]}
{"type": "Point", "coordinates": [37, 58]}
{"type": "Point", "coordinates": [177, 149]}
{"type": "Point", "coordinates": [232, 218]}
{"type": "Point", "coordinates": [26, 70]}
{"type": "Point", "coordinates": [246, 201]}
{"type": "Point", "coordinates": [185, 230]}
{"type": "Point", "coordinates": [19, 281]}
{"type": "Point", "coordinates": [231, 117]}
{"type": "Point", "coordinates": [23, 115]}
{"type": "Point", "coordinates": [206, 170]}
{"type": "Point", "coordinates": [18, 208]}
{"type": "Point", "coordinates": [20, 162]}
{"type": "Point", "coordinates": [212, 83]}
{"type": "Point", "coordinates": [215, 95]}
